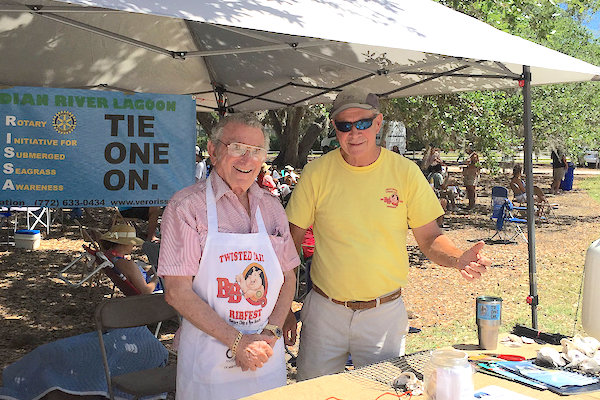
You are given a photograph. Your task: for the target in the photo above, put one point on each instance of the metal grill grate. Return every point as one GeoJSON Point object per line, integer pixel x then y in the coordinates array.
{"type": "Point", "coordinates": [386, 371]}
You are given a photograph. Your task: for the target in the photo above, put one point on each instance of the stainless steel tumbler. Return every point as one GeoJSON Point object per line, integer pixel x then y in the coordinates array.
{"type": "Point", "coordinates": [489, 313]}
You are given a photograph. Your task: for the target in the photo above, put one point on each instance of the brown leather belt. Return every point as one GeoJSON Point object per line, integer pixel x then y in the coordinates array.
{"type": "Point", "coordinates": [361, 305]}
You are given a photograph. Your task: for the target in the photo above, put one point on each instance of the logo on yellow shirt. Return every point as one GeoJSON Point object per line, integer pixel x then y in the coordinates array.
{"type": "Point", "coordinates": [391, 198]}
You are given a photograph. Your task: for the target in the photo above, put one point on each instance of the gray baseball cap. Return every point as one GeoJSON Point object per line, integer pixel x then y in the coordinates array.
{"type": "Point", "coordinates": [354, 97]}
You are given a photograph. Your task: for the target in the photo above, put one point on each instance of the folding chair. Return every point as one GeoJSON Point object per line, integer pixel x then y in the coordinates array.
{"type": "Point", "coordinates": [152, 251]}
{"type": "Point", "coordinates": [85, 261]}
{"type": "Point", "coordinates": [36, 216]}
{"type": "Point", "coordinates": [96, 261]}
{"type": "Point", "coordinates": [502, 214]}
{"type": "Point", "coordinates": [128, 312]}
{"type": "Point", "coordinates": [119, 280]}
{"type": "Point", "coordinates": [8, 219]}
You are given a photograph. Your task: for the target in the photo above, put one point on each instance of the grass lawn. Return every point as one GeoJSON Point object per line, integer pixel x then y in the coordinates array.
{"type": "Point", "coordinates": [592, 186]}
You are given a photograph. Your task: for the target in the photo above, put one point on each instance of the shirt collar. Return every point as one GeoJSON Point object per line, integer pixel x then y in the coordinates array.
{"type": "Point", "coordinates": [220, 187]}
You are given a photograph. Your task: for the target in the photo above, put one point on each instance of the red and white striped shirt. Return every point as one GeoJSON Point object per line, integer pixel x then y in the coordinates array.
{"type": "Point", "coordinates": [184, 225]}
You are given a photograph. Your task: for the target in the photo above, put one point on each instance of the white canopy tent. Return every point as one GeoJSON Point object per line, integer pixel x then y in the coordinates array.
{"type": "Point", "coordinates": [312, 48]}
{"type": "Point", "coordinates": [242, 55]}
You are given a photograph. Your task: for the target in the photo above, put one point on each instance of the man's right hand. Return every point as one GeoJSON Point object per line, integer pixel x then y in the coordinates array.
{"type": "Point", "coordinates": [254, 350]}
{"type": "Point", "coordinates": [290, 329]}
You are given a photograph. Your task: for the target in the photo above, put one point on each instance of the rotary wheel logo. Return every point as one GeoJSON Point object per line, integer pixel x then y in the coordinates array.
{"type": "Point", "coordinates": [64, 122]}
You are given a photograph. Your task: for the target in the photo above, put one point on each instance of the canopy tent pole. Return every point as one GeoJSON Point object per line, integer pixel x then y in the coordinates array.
{"type": "Point", "coordinates": [532, 299]}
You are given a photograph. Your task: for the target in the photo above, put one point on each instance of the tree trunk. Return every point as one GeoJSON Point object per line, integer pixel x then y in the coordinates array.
{"type": "Point", "coordinates": [288, 154]}
{"type": "Point", "coordinates": [384, 134]}
{"type": "Point", "coordinates": [207, 121]}
{"type": "Point", "coordinates": [312, 133]}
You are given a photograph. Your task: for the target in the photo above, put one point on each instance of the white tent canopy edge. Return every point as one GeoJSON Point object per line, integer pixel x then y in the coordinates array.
{"type": "Point", "coordinates": [397, 48]}
{"type": "Point", "coordinates": [423, 26]}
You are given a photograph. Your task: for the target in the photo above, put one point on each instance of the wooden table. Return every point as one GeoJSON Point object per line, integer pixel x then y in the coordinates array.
{"type": "Point", "coordinates": [347, 387]}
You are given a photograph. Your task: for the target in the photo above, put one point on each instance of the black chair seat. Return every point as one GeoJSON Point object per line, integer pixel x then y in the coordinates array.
{"type": "Point", "coordinates": [148, 382]}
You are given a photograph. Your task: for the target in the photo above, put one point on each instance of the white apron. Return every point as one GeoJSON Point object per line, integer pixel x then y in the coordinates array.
{"type": "Point", "coordinates": [239, 277]}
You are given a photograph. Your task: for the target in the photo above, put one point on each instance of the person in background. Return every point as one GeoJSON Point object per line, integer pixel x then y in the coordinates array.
{"type": "Point", "coordinates": [277, 177]}
{"type": "Point", "coordinates": [266, 181]}
{"type": "Point", "coordinates": [290, 177]}
{"type": "Point", "coordinates": [263, 171]}
{"type": "Point", "coordinates": [118, 243]}
{"type": "Point", "coordinates": [436, 177]}
{"type": "Point", "coordinates": [227, 260]}
{"type": "Point", "coordinates": [518, 185]}
{"type": "Point", "coordinates": [436, 180]}
{"type": "Point", "coordinates": [431, 157]}
{"type": "Point", "coordinates": [200, 165]}
{"type": "Point", "coordinates": [471, 175]}
{"type": "Point", "coordinates": [76, 213]}
{"type": "Point", "coordinates": [149, 214]}
{"type": "Point", "coordinates": [361, 200]}
{"type": "Point", "coordinates": [559, 168]}
{"type": "Point", "coordinates": [443, 186]}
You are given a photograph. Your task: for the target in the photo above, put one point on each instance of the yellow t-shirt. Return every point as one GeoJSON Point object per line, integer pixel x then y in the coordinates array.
{"type": "Point", "coordinates": [360, 218]}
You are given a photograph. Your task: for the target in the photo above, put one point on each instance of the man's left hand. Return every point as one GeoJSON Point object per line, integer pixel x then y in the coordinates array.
{"type": "Point", "coordinates": [472, 264]}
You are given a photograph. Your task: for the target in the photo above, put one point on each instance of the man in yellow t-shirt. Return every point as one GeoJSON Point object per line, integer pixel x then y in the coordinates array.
{"type": "Point", "coordinates": [361, 200]}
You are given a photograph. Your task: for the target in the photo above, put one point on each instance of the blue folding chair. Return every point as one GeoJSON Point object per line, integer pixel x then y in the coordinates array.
{"type": "Point", "coordinates": [505, 221]}
{"type": "Point", "coordinates": [6, 220]}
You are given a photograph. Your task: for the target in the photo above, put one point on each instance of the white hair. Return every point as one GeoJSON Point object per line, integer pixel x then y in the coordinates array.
{"type": "Point", "coordinates": [247, 119]}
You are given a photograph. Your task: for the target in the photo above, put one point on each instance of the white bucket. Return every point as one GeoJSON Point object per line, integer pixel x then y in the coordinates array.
{"type": "Point", "coordinates": [27, 239]}
{"type": "Point", "coordinates": [590, 309]}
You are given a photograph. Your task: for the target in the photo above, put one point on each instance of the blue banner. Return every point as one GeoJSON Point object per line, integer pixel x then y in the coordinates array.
{"type": "Point", "coordinates": [88, 148]}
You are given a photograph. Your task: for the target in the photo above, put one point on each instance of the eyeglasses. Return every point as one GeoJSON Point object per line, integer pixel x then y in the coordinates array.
{"type": "Point", "coordinates": [345, 126]}
{"type": "Point", "coordinates": [239, 149]}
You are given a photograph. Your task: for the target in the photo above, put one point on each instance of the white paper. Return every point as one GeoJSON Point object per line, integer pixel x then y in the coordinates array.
{"type": "Point", "coordinates": [498, 393]}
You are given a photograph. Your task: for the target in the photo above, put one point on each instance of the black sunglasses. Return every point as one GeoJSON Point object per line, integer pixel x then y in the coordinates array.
{"type": "Point", "coordinates": [345, 126]}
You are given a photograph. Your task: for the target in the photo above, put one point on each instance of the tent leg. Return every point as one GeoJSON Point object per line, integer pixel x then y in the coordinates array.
{"type": "Point", "coordinates": [528, 161]}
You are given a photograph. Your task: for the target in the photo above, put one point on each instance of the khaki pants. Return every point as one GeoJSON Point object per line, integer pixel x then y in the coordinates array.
{"type": "Point", "coordinates": [330, 332]}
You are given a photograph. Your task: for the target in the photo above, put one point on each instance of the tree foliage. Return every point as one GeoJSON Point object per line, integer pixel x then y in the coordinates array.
{"type": "Point", "coordinates": [563, 115]}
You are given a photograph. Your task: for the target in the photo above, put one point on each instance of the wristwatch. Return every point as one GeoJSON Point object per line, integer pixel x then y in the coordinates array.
{"type": "Point", "coordinates": [275, 330]}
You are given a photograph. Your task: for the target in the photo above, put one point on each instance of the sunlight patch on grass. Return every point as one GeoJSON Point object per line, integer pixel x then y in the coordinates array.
{"type": "Point", "coordinates": [592, 186]}
{"type": "Point", "coordinates": [442, 336]}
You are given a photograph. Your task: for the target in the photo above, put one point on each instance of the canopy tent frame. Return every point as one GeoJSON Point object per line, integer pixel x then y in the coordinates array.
{"type": "Point", "coordinates": [49, 12]}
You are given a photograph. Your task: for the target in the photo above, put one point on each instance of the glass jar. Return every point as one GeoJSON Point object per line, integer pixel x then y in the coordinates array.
{"type": "Point", "coordinates": [448, 376]}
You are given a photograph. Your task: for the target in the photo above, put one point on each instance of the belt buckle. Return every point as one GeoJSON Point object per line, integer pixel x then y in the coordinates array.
{"type": "Point", "coordinates": [346, 304]}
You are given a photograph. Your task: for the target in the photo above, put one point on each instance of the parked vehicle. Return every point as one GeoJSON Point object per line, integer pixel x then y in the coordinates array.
{"type": "Point", "coordinates": [589, 159]}
{"type": "Point", "coordinates": [396, 135]}
{"type": "Point", "coordinates": [330, 142]}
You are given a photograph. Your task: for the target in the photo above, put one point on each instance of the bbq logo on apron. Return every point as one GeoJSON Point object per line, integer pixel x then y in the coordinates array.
{"type": "Point", "coordinates": [253, 283]}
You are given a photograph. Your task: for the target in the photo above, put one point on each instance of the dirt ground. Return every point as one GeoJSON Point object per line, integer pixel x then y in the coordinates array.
{"type": "Point", "coordinates": [36, 307]}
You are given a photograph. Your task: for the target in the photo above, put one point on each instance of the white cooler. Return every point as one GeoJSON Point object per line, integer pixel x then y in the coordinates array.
{"type": "Point", "coordinates": [27, 239]}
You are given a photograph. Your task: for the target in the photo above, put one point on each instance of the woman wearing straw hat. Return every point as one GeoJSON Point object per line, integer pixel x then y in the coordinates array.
{"type": "Point", "coordinates": [119, 242]}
